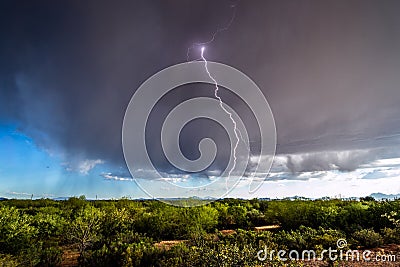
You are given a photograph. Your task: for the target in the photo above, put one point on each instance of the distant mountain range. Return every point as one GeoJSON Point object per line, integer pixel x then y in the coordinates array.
{"type": "Point", "coordinates": [61, 198]}
{"type": "Point", "coordinates": [381, 196]}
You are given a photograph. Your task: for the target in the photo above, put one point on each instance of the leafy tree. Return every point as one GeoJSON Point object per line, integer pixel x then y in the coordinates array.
{"type": "Point", "coordinates": [237, 215]}
{"type": "Point", "coordinates": [84, 230]}
{"type": "Point", "coordinates": [367, 199]}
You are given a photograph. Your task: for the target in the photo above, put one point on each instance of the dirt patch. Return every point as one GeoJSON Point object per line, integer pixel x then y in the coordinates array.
{"type": "Point", "coordinates": [227, 232]}
{"type": "Point", "coordinates": [267, 228]}
{"type": "Point", "coordinates": [167, 244]}
{"type": "Point", "coordinates": [70, 257]}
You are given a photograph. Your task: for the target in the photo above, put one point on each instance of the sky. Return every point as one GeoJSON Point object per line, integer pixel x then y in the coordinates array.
{"type": "Point", "coordinates": [329, 70]}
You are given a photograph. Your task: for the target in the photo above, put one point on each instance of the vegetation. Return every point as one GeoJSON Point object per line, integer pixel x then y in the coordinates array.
{"type": "Point", "coordinates": [126, 233]}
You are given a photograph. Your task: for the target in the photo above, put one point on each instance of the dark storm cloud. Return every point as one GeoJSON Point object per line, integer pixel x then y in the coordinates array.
{"type": "Point", "coordinates": [330, 70]}
{"type": "Point", "coordinates": [320, 161]}
{"type": "Point", "coordinates": [70, 68]}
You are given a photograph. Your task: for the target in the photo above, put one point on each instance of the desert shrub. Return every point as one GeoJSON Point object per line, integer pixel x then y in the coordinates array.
{"type": "Point", "coordinates": [41, 255]}
{"type": "Point", "coordinates": [393, 217]}
{"type": "Point", "coordinates": [48, 225]}
{"type": "Point", "coordinates": [115, 221]}
{"type": "Point", "coordinates": [84, 230]}
{"type": "Point", "coordinates": [7, 260]}
{"type": "Point", "coordinates": [391, 235]}
{"type": "Point", "coordinates": [368, 238]}
{"type": "Point", "coordinates": [123, 249]}
{"type": "Point", "coordinates": [352, 217]}
{"type": "Point", "coordinates": [300, 239]}
{"type": "Point", "coordinates": [50, 256]}
{"type": "Point", "coordinates": [16, 233]}
{"type": "Point", "coordinates": [327, 238]}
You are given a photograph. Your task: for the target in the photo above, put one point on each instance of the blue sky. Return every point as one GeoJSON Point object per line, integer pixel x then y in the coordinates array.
{"type": "Point", "coordinates": [26, 169]}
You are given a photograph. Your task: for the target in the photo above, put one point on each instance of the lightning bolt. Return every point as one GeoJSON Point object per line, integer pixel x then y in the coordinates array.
{"type": "Point", "coordinates": [215, 33]}
{"type": "Point", "coordinates": [221, 104]}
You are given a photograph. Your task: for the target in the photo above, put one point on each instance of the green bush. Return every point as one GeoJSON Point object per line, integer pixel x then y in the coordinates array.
{"type": "Point", "coordinates": [391, 236]}
{"type": "Point", "coordinates": [123, 249]}
{"type": "Point", "coordinates": [7, 260]}
{"type": "Point", "coordinates": [41, 255]}
{"type": "Point", "coordinates": [368, 238]}
{"type": "Point", "coordinates": [84, 230]}
{"type": "Point", "coordinates": [327, 238]}
{"type": "Point", "coordinates": [301, 239]}
{"type": "Point", "coordinates": [50, 256]}
{"type": "Point", "coordinates": [48, 225]}
{"type": "Point", "coordinates": [16, 233]}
